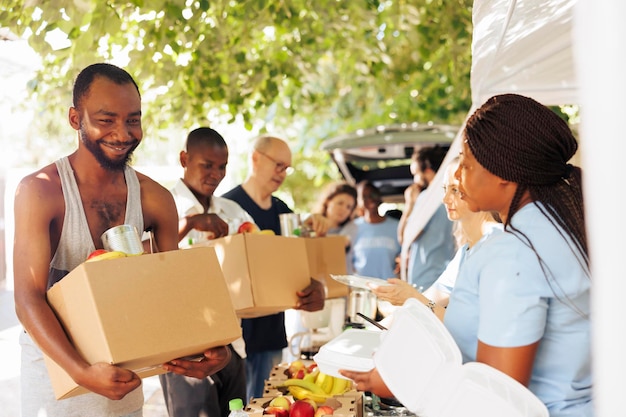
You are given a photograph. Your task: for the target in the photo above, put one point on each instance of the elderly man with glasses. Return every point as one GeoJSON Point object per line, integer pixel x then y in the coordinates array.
{"type": "Point", "coordinates": [265, 337]}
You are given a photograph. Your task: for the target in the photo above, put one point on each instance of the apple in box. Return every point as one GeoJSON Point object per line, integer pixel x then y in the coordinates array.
{"type": "Point", "coordinates": [248, 227]}
{"type": "Point", "coordinates": [303, 408]}
{"type": "Point", "coordinates": [279, 406]}
{"type": "Point", "coordinates": [324, 410]}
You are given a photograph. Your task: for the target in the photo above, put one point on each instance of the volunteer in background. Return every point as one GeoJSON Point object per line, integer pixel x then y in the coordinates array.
{"type": "Point", "coordinates": [266, 336]}
{"type": "Point", "coordinates": [203, 216]}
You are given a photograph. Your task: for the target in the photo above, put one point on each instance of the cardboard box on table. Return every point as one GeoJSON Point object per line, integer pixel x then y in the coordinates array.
{"type": "Point", "coordinates": [348, 405]}
{"type": "Point", "coordinates": [142, 311]}
{"type": "Point", "coordinates": [327, 255]}
{"type": "Point", "coordinates": [263, 272]}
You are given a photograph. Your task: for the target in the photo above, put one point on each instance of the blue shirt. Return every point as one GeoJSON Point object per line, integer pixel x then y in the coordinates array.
{"type": "Point", "coordinates": [431, 251]}
{"type": "Point", "coordinates": [375, 248]}
{"type": "Point", "coordinates": [505, 297]}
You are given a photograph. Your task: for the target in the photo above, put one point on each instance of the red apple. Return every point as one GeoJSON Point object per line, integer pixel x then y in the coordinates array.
{"type": "Point", "coordinates": [302, 408]}
{"type": "Point", "coordinates": [294, 367]}
{"type": "Point", "coordinates": [97, 252]}
{"type": "Point", "coordinates": [247, 227]}
{"type": "Point", "coordinates": [300, 374]}
{"type": "Point", "coordinates": [277, 411]}
{"type": "Point", "coordinates": [280, 401]}
{"type": "Point", "coordinates": [324, 410]}
{"type": "Point", "coordinates": [310, 401]}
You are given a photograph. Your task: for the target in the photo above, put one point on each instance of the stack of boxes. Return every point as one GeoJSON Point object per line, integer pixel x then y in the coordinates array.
{"type": "Point", "coordinates": [142, 311]}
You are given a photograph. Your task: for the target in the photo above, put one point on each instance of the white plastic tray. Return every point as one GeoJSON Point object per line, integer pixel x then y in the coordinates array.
{"type": "Point", "coordinates": [353, 350]}
{"type": "Point", "coordinates": [421, 365]}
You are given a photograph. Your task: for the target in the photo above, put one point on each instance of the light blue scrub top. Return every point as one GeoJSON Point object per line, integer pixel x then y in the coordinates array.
{"type": "Point", "coordinates": [503, 298]}
{"type": "Point", "coordinates": [431, 251]}
{"type": "Point", "coordinates": [375, 248]}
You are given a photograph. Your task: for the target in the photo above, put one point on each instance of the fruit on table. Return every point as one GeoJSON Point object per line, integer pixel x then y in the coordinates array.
{"type": "Point", "coordinates": [266, 232]}
{"type": "Point", "coordinates": [277, 411]}
{"type": "Point", "coordinates": [303, 408]}
{"type": "Point", "coordinates": [248, 227]}
{"type": "Point", "coordinates": [340, 385]}
{"type": "Point", "coordinates": [324, 410]}
{"type": "Point", "coordinates": [280, 401]}
{"type": "Point", "coordinates": [300, 393]}
{"type": "Point", "coordinates": [307, 385]}
{"type": "Point", "coordinates": [294, 367]}
{"type": "Point", "coordinates": [101, 254]}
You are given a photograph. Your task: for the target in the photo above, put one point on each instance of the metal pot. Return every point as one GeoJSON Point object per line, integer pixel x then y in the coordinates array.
{"type": "Point", "coordinates": [361, 301]}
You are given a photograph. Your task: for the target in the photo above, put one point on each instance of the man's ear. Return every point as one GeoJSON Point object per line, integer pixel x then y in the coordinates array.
{"type": "Point", "coordinates": [183, 159]}
{"type": "Point", "coordinates": [74, 118]}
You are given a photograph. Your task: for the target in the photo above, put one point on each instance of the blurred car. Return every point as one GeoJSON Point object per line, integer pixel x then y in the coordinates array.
{"type": "Point", "coordinates": [382, 155]}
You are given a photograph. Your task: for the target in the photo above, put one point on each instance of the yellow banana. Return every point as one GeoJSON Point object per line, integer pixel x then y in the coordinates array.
{"type": "Point", "coordinates": [340, 385]}
{"type": "Point", "coordinates": [300, 393]}
{"type": "Point", "coordinates": [309, 378]}
{"type": "Point", "coordinates": [308, 385]}
{"type": "Point", "coordinates": [107, 255]}
{"type": "Point", "coordinates": [325, 382]}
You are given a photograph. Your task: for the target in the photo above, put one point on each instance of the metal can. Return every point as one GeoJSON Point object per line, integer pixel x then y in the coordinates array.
{"type": "Point", "coordinates": [290, 224]}
{"type": "Point", "coordinates": [124, 238]}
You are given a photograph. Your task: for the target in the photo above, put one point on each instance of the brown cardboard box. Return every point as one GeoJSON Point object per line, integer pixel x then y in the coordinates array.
{"type": "Point", "coordinates": [349, 405]}
{"type": "Point", "coordinates": [263, 272]}
{"type": "Point", "coordinates": [327, 255]}
{"type": "Point", "coordinates": [142, 311]}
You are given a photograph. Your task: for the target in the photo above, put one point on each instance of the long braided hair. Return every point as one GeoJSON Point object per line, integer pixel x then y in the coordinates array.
{"type": "Point", "coordinates": [522, 141]}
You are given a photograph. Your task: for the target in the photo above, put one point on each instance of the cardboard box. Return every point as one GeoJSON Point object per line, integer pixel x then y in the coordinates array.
{"type": "Point", "coordinates": [349, 405]}
{"type": "Point", "coordinates": [263, 272]}
{"type": "Point", "coordinates": [327, 255]}
{"type": "Point", "coordinates": [142, 311]}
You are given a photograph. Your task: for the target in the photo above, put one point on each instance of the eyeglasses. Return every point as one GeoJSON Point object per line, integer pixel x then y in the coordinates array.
{"type": "Point", "coordinates": [279, 167]}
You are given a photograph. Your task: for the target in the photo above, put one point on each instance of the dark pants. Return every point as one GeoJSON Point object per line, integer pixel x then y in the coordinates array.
{"type": "Point", "coordinates": [192, 397]}
{"type": "Point", "coordinates": [258, 368]}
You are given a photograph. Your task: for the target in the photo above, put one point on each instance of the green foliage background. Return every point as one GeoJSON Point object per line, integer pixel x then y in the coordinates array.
{"type": "Point", "coordinates": [306, 69]}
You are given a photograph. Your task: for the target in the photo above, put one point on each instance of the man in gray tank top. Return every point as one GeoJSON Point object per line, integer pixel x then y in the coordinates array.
{"type": "Point", "coordinates": [60, 213]}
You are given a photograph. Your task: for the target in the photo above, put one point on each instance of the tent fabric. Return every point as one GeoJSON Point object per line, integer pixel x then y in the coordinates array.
{"type": "Point", "coordinates": [524, 47]}
{"type": "Point", "coordinates": [518, 46]}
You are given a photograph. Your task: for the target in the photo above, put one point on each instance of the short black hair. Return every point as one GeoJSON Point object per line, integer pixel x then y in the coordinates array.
{"type": "Point", "coordinates": [86, 77]}
{"type": "Point", "coordinates": [430, 157]}
{"type": "Point", "coordinates": [204, 136]}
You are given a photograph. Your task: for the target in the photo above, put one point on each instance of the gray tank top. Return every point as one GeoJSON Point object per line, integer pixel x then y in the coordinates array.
{"type": "Point", "coordinates": [75, 243]}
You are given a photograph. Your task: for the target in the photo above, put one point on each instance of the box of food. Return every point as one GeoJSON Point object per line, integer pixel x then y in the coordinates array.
{"type": "Point", "coordinates": [142, 311]}
{"type": "Point", "coordinates": [262, 272]}
{"type": "Point", "coordinates": [327, 255]}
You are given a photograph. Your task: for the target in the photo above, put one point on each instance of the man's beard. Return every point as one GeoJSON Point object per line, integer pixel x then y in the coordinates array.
{"type": "Point", "coordinates": [105, 162]}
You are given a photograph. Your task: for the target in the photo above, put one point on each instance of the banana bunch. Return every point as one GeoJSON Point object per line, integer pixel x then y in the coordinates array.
{"type": "Point", "coordinates": [316, 386]}
{"type": "Point", "coordinates": [300, 393]}
{"type": "Point", "coordinates": [332, 385]}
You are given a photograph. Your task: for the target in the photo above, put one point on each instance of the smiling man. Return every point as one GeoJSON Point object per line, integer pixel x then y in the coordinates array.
{"type": "Point", "coordinates": [60, 213]}
{"type": "Point", "coordinates": [203, 216]}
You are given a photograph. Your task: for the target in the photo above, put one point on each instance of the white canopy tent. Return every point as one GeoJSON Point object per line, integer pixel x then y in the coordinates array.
{"type": "Point", "coordinates": [565, 52]}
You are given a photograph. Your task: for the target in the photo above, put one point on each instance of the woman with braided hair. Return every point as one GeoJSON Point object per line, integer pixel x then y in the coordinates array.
{"type": "Point", "coordinates": [521, 302]}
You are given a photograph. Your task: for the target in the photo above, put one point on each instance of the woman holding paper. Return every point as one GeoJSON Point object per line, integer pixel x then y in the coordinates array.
{"type": "Point", "coordinates": [521, 303]}
{"type": "Point", "coordinates": [469, 228]}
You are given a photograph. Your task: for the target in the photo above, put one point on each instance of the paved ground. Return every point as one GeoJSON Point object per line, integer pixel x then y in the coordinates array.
{"type": "Point", "coordinates": [10, 367]}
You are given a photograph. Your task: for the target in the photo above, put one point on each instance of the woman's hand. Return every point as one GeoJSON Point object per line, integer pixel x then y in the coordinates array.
{"type": "Point", "coordinates": [397, 293]}
{"type": "Point", "coordinates": [368, 381]}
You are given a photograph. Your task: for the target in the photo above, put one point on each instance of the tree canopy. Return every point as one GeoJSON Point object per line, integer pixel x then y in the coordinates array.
{"type": "Point", "coordinates": [309, 69]}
